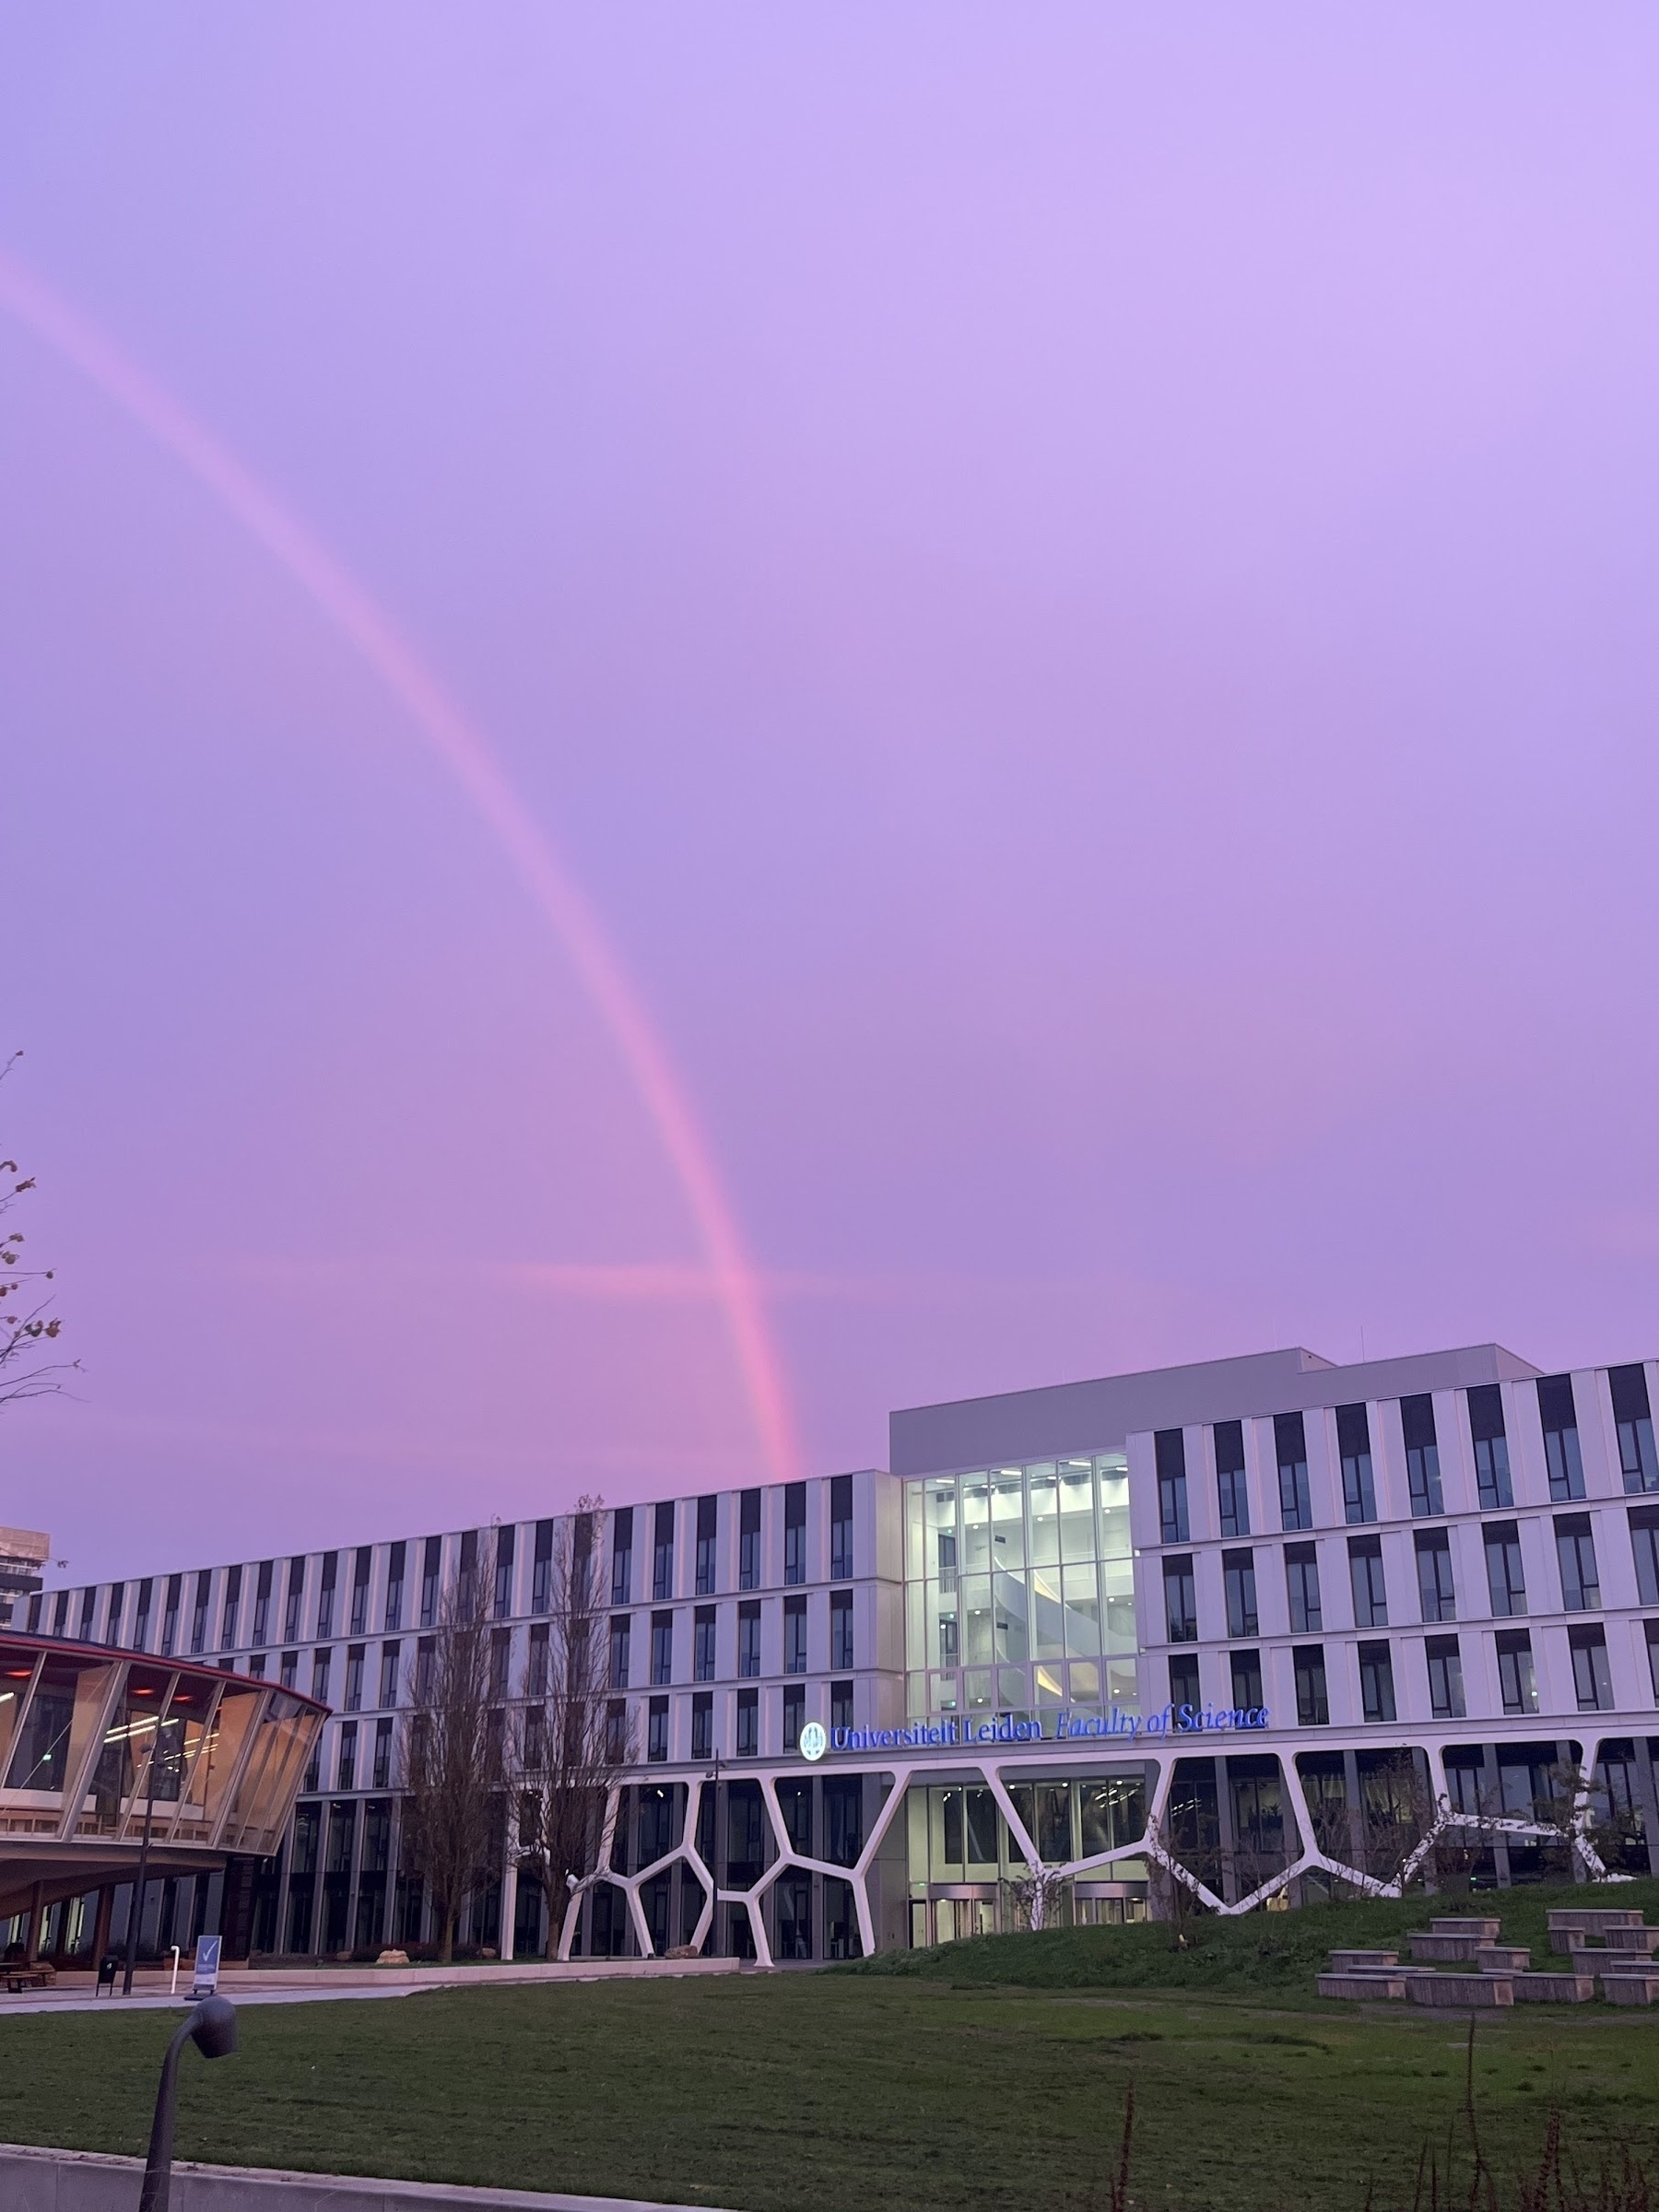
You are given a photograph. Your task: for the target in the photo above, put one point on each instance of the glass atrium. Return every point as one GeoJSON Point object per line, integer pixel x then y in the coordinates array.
{"type": "Point", "coordinates": [1019, 1589]}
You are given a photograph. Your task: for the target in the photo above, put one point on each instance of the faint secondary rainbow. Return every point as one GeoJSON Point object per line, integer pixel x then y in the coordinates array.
{"type": "Point", "coordinates": [469, 759]}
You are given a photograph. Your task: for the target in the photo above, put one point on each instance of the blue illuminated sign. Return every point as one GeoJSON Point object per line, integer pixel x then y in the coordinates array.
{"type": "Point", "coordinates": [960, 1732]}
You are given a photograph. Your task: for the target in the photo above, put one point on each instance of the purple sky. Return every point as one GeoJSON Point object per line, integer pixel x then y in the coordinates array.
{"type": "Point", "coordinates": [1075, 587]}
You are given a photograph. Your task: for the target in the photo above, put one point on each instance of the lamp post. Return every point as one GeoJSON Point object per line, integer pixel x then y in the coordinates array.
{"type": "Point", "coordinates": [135, 1912]}
{"type": "Point", "coordinates": [211, 2026]}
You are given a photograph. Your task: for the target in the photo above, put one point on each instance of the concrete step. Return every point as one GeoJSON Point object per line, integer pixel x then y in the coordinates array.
{"type": "Point", "coordinates": [1503, 1959]}
{"type": "Point", "coordinates": [1631, 1988]}
{"type": "Point", "coordinates": [1640, 1940]}
{"type": "Point", "coordinates": [1461, 1992]}
{"type": "Point", "coordinates": [1485, 1929]}
{"type": "Point", "coordinates": [1594, 1920]}
{"type": "Point", "coordinates": [1366, 1988]}
{"type": "Point", "coordinates": [1342, 1961]}
{"type": "Point", "coordinates": [1545, 1988]}
{"type": "Point", "coordinates": [1447, 1949]}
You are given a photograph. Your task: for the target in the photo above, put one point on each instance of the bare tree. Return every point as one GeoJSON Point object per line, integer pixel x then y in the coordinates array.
{"type": "Point", "coordinates": [572, 1735]}
{"type": "Point", "coordinates": [29, 1329]}
{"type": "Point", "coordinates": [454, 1763]}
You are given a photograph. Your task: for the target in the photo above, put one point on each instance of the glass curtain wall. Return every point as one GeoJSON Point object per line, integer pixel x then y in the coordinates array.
{"type": "Point", "coordinates": [1021, 1588]}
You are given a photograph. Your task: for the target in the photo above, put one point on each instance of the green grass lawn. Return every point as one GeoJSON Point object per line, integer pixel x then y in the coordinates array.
{"type": "Point", "coordinates": [969, 2084]}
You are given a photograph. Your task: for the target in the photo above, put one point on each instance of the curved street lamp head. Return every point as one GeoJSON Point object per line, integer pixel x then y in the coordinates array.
{"type": "Point", "coordinates": [213, 2028]}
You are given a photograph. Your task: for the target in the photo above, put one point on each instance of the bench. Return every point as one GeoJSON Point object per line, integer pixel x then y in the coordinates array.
{"type": "Point", "coordinates": [19, 1978]}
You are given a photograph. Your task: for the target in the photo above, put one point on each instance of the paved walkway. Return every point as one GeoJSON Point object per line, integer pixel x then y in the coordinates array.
{"type": "Point", "coordinates": [326, 1985]}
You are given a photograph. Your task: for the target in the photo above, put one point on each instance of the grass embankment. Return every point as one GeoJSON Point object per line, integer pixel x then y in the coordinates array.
{"type": "Point", "coordinates": [1260, 1952]}
{"type": "Point", "coordinates": [877, 2089]}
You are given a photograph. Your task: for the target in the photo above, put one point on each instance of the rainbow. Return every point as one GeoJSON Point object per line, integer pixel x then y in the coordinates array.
{"type": "Point", "coordinates": [469, 759]}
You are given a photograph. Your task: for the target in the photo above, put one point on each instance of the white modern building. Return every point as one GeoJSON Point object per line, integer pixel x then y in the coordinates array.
{"type": "Point", "coordinates": [1224, 1634]}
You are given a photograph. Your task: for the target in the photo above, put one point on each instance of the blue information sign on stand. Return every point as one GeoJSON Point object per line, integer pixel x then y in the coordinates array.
{"type": "Point", "coordinates": [206, 1980]}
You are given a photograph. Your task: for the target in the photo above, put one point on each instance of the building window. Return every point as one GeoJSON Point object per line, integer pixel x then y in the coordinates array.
{"type": "Point", "coordinates": [795, 1715]}
{"type": "Point", "coordinates": [388, 1677]}
{"type": "Point", "coordinates": [702, 1644]}
{"type": "Point", "coordinates": [748, 1540]}
{"type": "Point", "coordinates": [363, 1568]}
{"type": "Point", "coordinates": [1246, 1680]}
{"type": "Point", "coordinates": [538, 1672]}
{"type": "Point", "coordinates": [841, 1629]}
{"type": "Point", "coordinates": [1575, 1549]}
{"type": "Point", "coordinates": [348, 1767]}
{"type": "Point", "coordinates": [1516, 1680]}
{"type": "Point", "coordinates": [841, 1528]}
{"type": "Point", "coordinates": [1559, 1419]}
{"type": "Point", "coordinates": [383, 1756]}
{"type": "Point", "coordinates": [396, 1562]}
{"type": "Point", "coordinates": [748, 1722]}
{"type": "Point", "coordinates": [89, 1609]}
{"type": "Point", "coordinates": [432, 1566]}
{"type": "Point", "coordinates": [261, 1604]}
{"type": "Point", "coordinates": [146, 1591]}
{"type": "Point", "coordinates": [1301, 1581]}
{"type": "Point", "coordinates": [541, 1569]}
{"type": "Point", "coordinates": [257, 1667]}
{"type": "Point", "coordinates": [615, 1731]}
{"type": "Point", "coordinates": [621, 1555]}
{"type": "Point", "coordinates": [506, 1551]}
{"type": "Point", "coordinates": [354, 1678]}
{"type": "Point", "coordinates": [1445, 1678]}
{"type": "Point", "coordinates": [1436, 1597]}
{"type": "Point", "coordinates": [662, 1647]}
{"type": "Point", "coordinates": [841, 1704]}
{"type": "Point", "coordinates": [1183, 1680]}
{"type": "Point", "coordinates": [1365, 1572]}
{"type": "Point", "coordinates": [466, 1582]}
{"type": "Point", "coordinates": [326, 1594]}
{"type": "Point", "coordinates": [1592, 1678]}
{"type": "Point", "coordinates": [1422, 1456]}
{"type": "Point", "coordinates": [1376, 1682]}
{"type": "Point", "coordinates": [1181, 1603]}
{"type": "Point", "coordinates": [426, 1668]}
{"type": "Point", "coordinates": [198, 1618]}
{"type": "Point", "coordinates": [656, 1730]}
{"type": "Point", "coordinates": [702, 1724]}
{"type": "Point", "coordinates": [794, 1636]}
{"type": "Point", "coordinates": [1651, 1630]}
{"type": "Point", "coordinates": [1505, 1579]}
{"type": "Point", "coordinates": [1644, 1543]}
{"type": "Point", "coordinates": [621, 1632]}
{"type": "Point", "coordinates": [1492, 1448]}
{"type": "Point", "coordinates": [233, 1583]}
{"type": "Point", "coordinates": [794, 1531]}
{"type": "Point", "coordinates": [1290, 1448]}
{"type": "Point", "coordinates": [117, 1606]}
{"type": "Point", "coordinates": [662, 1553]}
{"type": "Point", "coordinates": [320, 1675]}
{"type": "Point", "coordinates": [1169, 1447]}
{"type": "Point", "coordinates": [170, 1618]}
{"type": "Point", "coordinates": [1232, 1494]}
{"type": "Point", "coordinates": [287, 1667]}
{"type": "Point", "coordinates": [1238, 1577]}
{"type": "Point", "coordinates": [748, 1637]}
{"type": "Point", "coordinates": [1633, 1419]}
{"type": "Point", "coordinates": [1353, 1446]}
{"type": "Point", "coordinates": [708, 1526]}
{"type": "Point", "coordinates": [290, 1612]}
{"type": "Point", "coordinates": [1313, 1703]}
{"type": "Point", "coordinates": [500, 1662]}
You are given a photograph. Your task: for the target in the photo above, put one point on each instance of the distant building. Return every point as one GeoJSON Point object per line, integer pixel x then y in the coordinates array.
{"type": "Point", "coordinates": [23, 1553]}
{"type": "Point", "coordinates": [1253, 1626]}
